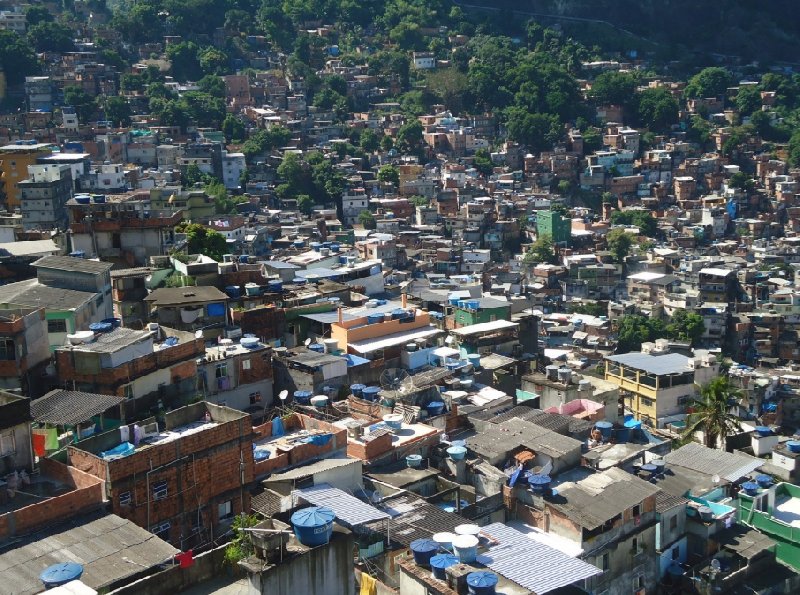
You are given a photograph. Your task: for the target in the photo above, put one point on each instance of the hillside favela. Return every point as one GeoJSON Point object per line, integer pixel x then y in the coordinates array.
{"type": "Point", "coordinates": [399, 297]}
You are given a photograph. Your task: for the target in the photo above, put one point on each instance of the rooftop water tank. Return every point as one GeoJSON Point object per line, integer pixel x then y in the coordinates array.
{"type": "Point", "coordinates": [83, 199]}
{"type": "Point", "coordinates": [551, 372]}
{"type": "Point", "coordinates": [763, 431]}
{"type": "Point", "coordinates": [275, 285]}
{"type": "Point", "coordinates": [750, 488]}
{"type": "Point", "coordinates": [481, 582]}
{"type": "Point", "coordinates": [330, 345]}
{"type": "Point", "coordinates": [317, 347]}
{"type": "Point", "coordinates": [474, 359]}
{"type": "Point", "coordinates": [440, 563]}
{"type": "Point", "coordinates": [444, 539]}
{"type": "Point", "coordinates": [374, 318]}
{"type": "Point", "coordinates": [467, 529]}
{"type": "Point", "coordinates": [316, 246]}
{"type": "Point", "coordinates": [763, 480]}
{"type": "Point", "coordinates": [435, 408]}
{"type": "Point", "coordinates": [793, 445]}
{"type": "Point", "coordinates": [313, 526]}
{"type": "Point", "coordinates": [252, 289]}
{"type": "Point", "coordinates": [101, 327]}
{"type": "Point", "coordinates": [540, 483]}
{"type": "Point", "coordinates": [60, 574]}
{"type": "Point", "coordinates": [303, 397]}
{"type": "Point", "coordinates": [564, 375]}
{"type": "Point", "coordinates": [424, 550]}
{"type": "Point", "coordinates": [335, 247]}
{"type": "Point", "coordinates": [414, 461]}
{"type": "Point", "coordinates": [233, 291]}
{"type": "Point", "coordinates": [393, 420]}
{"type": "Point", "coordinates": [299, 281]}
{"type": "Point", "coordinates": [356, 389]}
{"type": "Point", "coordinates": [320, 401]}
{"type": "Point", "coordinates": [249, 342]}
{"type": "Point", "coordinates": [605, 428]}
{"type": "Point", "coordinates": [466, 548]}
{"type": "Point", "coordinates": [457, 453]}
{"type": "Point", "coordinates": [370, 393]}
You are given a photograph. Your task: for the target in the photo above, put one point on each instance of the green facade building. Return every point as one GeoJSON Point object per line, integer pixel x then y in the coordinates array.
{"type": "Point", "coordinates": [555, 225]}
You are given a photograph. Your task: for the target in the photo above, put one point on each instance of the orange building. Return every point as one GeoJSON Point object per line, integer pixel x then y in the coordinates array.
{"type": "Point", "coordinates": [14, 161]}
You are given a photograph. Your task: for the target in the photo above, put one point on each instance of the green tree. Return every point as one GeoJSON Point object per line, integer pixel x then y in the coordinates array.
{"type": "Point", "coordinates": [213, 61]}
{"type": "Point", "coordinates": [233, 128]}
{"type": "Point", "coordinates": [647, 224]}
{"type": "Point", "coordinates": [83, 102]}
{"type": "Point", "coordinates": [794, 149]}
{"type": "Point", "coordinates": [264, 141]}
{"type": "Point", "coordinates": [51, 37]}
{"type": "Point", "coordinates": [389, 173]}
{"type": "Point", "coordinates": [36, 14]}
{"type": "Point", "coordinates": [419, 201]}
{"type": "Point", "coordinates": [203, 240]}
{"type": "Point", "coordinates": [538, 132]}
{"type": "Point", "coordinates": [483, 162]}
{"type": "Point", "coordinates": [741, 181]}
{"type": "Point", "coordinates": [305, 204]}
{"type": "Point", "coordinates": [619, 244]}
{"type": "Point", "coordinates": [369, 142]}
{"type": "Point", "coordinates": [657, 109]}
{"type": "Point", "coordinates": [711, 413]}
{"type": "Point", "coordinates": [17, 57]}
{"type": "Point", "coordinates": [184, 63]}
{"type": "Point", "coordinates": [409, 137]}
{"type": "Point", "coordinates": [686, 326]}
{"type": "Point", "coordinates": [367, 220]}
{"type": "Point", "coordinates": [213, 85]}
{"type": "Point", "coordinates": [541, 251]}
{"type": "Point", "coordinates": [592, 140]}
{"type": "Point", "coordinates": [117, 110]}
{"type": "Point", "coordinates": [613, 88]}
{"type": "Point", "coordinates": [709, 82]}
{"type": "Point", "coordinates": [635, 329]}
{"type": "Point", "coordinates": [748, 99]}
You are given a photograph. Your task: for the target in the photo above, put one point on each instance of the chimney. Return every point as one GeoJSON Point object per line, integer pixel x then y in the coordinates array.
{"type": "Point", "coordinates": [404, 299]}
{"type": "Point", "coordinates": [341, 315]}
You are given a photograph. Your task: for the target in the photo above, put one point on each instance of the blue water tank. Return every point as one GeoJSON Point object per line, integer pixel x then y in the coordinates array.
{"type": "Point", "coordinates": [424, 550]}
{"type": "Point", "coordinates": [99, 198]}
{"type": "Point", "coordinates": [335, 248]}
{"type": "Point", "coordinates": [60, 574]}
{"type": "Point", "coordinates": [299, 243]}
{"type": "Point", "coordinates": [605, 428]}
{"type": "Point", "coordinates": [317, 347]}
{"type": "Point", "coordinates": [750, 488]}
{"type": "Point", "coordinates": [481, 582]}
{"type": "Point", "coordinates": [370, 393]}
{"type": "Point", "coordinates": [233, 291]}
{"type": "Point", "coordinates": [299, 280]}
{"type": "Point", "coordinates": [316, 246]}
{"type": "Point", "coordinates": [83, 199]}
{"type": "Point", "coordinates": [101, 327]}
{"type": "Point", "coordinates": [649, 469]}
{"type": "Point", "coordinates": [793, 445]}
{"type": "Point", "coordinates": [313, 526]}
{"type": "Point", "coordinates": [440, 563]}
{"type": "Point", "coordinates": [302, 397]}
{"type": "Point", "coordinates": [342, 259]}
{"type": "Point", "coordinates": [435, 408]}
{"type": "Point", "coordinates": [275, 285]}
{"type": "Point", "coordinates": [114, 322]}
{"type": "Point", "coordinates": [375, 318]}
{"type": "Point", "coordinates": [763, 481]}
{"type": "Point", "coordinates": [763, 431]}
{"type": "Point", "coordinates": [357, 389]}
{"type": "Point", "coordinates": [475, 360]}
{"type": "Point", "coordinates": [457, 453]}
{"type": "Point", "coordinates": [539, 483]}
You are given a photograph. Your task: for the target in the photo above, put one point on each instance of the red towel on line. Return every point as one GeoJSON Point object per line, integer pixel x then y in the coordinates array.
{"type": "Point", "coordinates": [185, 559]}
{"type": "Point", "coordinates": [38, 444]}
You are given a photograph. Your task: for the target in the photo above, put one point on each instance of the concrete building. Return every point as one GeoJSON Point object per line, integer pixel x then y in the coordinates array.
{"type": "Point", "coordinates": [657, 385]}
{"type": "Point", "coordinates": [184, 483]}
{"type": "Point", "coordinates": [24, 348]}
{"type": "Point", "coordinates": [15, 158]}
{"type": "Point", "coordinates": [44, 196]}
{"type": "Point", "coordinates": [16, 450]}
{"type": "Point", "coordinates": [552, 223]}
{"type": "Point", "coordinates": [189, 308]}
{"type": "Point", "coordinates": [233, 165]}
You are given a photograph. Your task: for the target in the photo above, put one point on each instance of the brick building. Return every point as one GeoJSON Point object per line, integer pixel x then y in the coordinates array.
{"type": "Point", "coordinates": [184, 483]}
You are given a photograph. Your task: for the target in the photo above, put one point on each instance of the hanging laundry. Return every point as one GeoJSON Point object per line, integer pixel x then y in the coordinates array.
{"type": "Point", "coordinates": [185, 559]}
{"type": "Point", "coordinates": [277, 427]}
{"type": "Point", "coordinates": [138, 434]}
{"type": "Point", "coordinates": [51, 442]}
{"type": "Point", "coordinates": [124, 434]}
{"type": "Point", "coordinates": [369, 586]}
{"type": "Point", "coordinates": [38, 444]}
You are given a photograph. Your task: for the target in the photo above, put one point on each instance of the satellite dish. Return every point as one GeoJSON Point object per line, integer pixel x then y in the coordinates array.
{"type": "Point", "coordinates": [715, 478]}
{"type": "Point", "coordinates": [307, 342]}
{"type": "Point", "coordinates": [283, 395]}
{"type": "Point", "coordinates": [396, 379]}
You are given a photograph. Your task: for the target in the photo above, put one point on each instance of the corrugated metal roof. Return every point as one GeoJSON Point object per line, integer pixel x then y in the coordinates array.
{"type": "Point", "coordinates": [727, 465]}
{"type": "Point", "coordinates": [309, 470]}
{"type": "Point", "coordinates": [348, 509]}
{"type": "Point", "coordinates": [414, 518]}
{"type": "Point", "coordinates": [532, 565]}
{"type": "Point", "coordinates": [63, 407]}
{"type": "Point", "coordinates": [668, 363]}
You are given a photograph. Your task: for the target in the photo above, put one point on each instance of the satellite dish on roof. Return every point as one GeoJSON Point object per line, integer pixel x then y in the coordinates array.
{"type": "Point", "coordinates": [396, 379]}
{"type": "Point", "coordinates": [283, 395]}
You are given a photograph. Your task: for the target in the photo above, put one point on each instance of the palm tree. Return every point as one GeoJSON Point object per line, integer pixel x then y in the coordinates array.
{"type": "Point", "coordinates": [711, 413]}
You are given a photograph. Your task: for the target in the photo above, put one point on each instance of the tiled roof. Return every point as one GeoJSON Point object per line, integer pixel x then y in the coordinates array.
{"type": "Point", "coordinates": [72, 264]}
{"type": "Point", "coordinates": [727, 465]}
{"type": "Point", "coordinates": [64, 407]}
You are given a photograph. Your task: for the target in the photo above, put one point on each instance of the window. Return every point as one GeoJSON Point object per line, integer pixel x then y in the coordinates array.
{"type": "Point", "coordinates": [255, 398]}
{"type": "Point", "coordinates": [637, 511]}
{"type": "Point", "coordinates": [224, 510]}
{"type": "Point", "coordinates": [673, 523]}
{"type": "Point", "coordinates": [125, 499]}
{"type": "Point", "coordinates": [128, 391]}
{"type": "Point", "coordinates": [8, 446]}
{"type": "Point", "coordinates": [605, 562]}
{"type": "Point", "coordinates": [638, 583]}
{"type": "Point", "coordinates": [161, 530]}
{"type": "Point", "coordinates": [160, 490]}
{"type": "Point", "coordinates": [246, 364]}
{"type": "Point", "coordinates": [647, 402]}
{"type": "Point", "coordinates": [222, 370]}
{"type": "Point", "coordinates": [56, 326]}
{"type": "Point", "coordinates": [7, 350]}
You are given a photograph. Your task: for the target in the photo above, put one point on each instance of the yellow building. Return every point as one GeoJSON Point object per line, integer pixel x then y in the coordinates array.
{"type": "Point", "coordinates": [195, 204]}
{"type": "Point", "coordinates": [657, 385]}
{"type": "Point", "coordinates": [14, 161]}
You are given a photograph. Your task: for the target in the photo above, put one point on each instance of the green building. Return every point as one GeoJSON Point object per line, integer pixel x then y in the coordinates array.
{"type": "Point", "coordinates": [487, 310]}
{"type": "Point", "coordinates": [773, 512]}
{"type": "Point", "coordinates": [555, 225]}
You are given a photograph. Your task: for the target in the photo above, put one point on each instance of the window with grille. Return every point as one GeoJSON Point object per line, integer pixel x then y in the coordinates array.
{"type": "Point", "coordinates": [7, 350]}
{"type": "Point", "coordinates": [125, 499]}
{"type": "Point", "coordinates": [160, 490]}
{"type": "Point", "coordinates": [56, 326]}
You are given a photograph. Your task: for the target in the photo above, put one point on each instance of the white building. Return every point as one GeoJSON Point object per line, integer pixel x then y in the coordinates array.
{"type": "Point", "coordinates": [233, 164]}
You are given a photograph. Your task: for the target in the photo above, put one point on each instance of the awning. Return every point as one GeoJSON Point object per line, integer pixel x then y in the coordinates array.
{"type": "Point", "coordinates": [348, 509]}
{"type": "Point", "coordinates": [370, 345]}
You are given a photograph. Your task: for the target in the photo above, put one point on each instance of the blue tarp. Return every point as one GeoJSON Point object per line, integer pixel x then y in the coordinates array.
{"type": "Point", "coordinates": [123, 450]}
{"type": "Point", "coordinates": [277, 427]}
{"type": "Point", "coordinates": [354, 360]}
{"type": "Point", "coordinates": [319, 439]}
{"type": "Point", "coordinates": [216, 309]}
